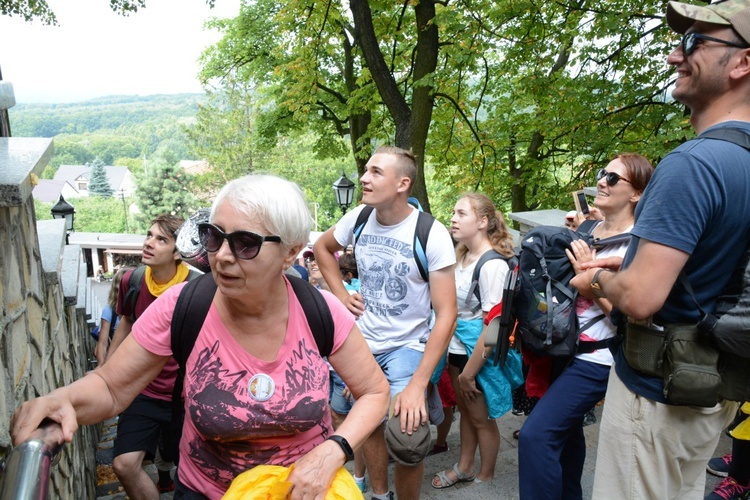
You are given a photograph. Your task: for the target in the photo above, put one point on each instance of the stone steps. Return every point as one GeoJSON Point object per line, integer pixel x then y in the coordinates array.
{"type": "Point", "coordinates": [504, 485]}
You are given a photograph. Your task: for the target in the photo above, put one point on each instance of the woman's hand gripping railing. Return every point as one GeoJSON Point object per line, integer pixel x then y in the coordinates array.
{"type": "Point", "coordinates": [27, 470]}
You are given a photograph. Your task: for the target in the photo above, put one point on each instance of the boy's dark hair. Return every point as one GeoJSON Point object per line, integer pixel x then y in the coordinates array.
{"type": "Point", "coordinates": [348, 264]}
{"type": "Point", "coordinates": [169, 224]}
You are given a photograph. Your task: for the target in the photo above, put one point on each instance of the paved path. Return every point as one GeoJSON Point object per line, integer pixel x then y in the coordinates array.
{"type": "Point", "coordinates": [504, 486]}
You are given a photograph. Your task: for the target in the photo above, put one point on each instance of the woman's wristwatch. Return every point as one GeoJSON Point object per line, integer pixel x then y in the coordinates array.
{"type": "Point", "coordinates": [345, 446]}
{"type": "Point", "coordinates": [596, 287]}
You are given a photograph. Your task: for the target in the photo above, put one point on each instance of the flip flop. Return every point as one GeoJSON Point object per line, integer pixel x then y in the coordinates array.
{"type": "Point", "coordinates": [445, 482]}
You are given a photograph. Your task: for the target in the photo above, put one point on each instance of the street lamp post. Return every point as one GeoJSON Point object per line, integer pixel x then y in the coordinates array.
{"type": "Point", "coordinates": [121, 194]}
{"type": "Point", "coordinates": [344, 189]}
{"type": "Point", "coordinates": [64, 210]}
{"type": "Point", "coordinates": [316, 205]}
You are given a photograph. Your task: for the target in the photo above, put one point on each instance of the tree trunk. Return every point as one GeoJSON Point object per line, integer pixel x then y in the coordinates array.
{"type": "Point", "coordinates": [423, 98]}
{"type": "Point", "coordinates": [412, 124]}
{"type": "Point", "coordinates": [517, 189]}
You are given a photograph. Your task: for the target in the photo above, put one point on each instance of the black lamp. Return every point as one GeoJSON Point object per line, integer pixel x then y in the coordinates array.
{"type": "Point", "coordinates": [344, 189]}
{"type": "Point", "coordinates": [64, 210]}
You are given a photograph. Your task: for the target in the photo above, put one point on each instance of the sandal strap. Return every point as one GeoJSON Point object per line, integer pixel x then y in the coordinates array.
{"type": "Point", "coordinates": [460, 475]}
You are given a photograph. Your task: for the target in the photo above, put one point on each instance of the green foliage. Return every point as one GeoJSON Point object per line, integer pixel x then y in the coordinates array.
{"type": "Point", "coordinates": [98, 183]}
{"type": "Point", "coordinates": [42, 210]}
{"type": "Point", "coordinates": [163, 188]}
{"type": "Point", "coordinates": [93, 214]}
{"type": "Point", "coordinates": [523, 100]}
{"type": "Point", "coordinates": [294, 158]}
{"type": "Point", "coordinates": [224, 135]}
{"type": "Point", "coordinates": [28, 10]}
{"type": "Point", "coordinates": [40, 10]}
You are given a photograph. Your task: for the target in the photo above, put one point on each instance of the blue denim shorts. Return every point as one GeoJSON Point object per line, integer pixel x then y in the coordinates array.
{"type": "Point", "coordinates": [399, 366]}
{"type": "Point", "coordinates": [339, 403]}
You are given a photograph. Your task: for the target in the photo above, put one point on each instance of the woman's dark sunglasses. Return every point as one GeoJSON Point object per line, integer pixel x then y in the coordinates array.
{"type": "Point", "coordinates": [612, 178]}
{"type": "Point", "coordinates": [691, 40]}
{"type": "Point", "coordinates": [245, 245]}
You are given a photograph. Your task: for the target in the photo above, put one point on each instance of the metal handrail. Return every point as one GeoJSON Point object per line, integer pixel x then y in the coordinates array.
{"type": "Point", "coordinates": [27, 469]}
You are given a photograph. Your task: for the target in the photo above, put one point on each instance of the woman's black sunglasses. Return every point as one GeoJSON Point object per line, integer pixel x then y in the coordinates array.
{"type": "Point", "coordinates": [612, 178]}
{"type": "Point", "coordinates": [245, 245]}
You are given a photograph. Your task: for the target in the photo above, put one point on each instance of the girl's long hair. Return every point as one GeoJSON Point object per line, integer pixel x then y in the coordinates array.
{"type": "Point", "coordinates": [497, 232]}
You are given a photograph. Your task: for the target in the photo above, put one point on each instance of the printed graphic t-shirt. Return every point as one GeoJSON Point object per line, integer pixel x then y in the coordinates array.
{"type": "Point", "coordinates": [397, 299]}
{"type": "Point", "coordinates": [242, 411]}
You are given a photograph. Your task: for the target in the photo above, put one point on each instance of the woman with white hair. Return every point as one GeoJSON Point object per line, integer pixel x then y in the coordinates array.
{"type": "Point", "coordinates": [256, 387]}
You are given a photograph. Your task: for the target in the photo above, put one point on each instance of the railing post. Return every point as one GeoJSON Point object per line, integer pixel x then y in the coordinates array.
{"type": "Point", "coordinates": [28, 466]}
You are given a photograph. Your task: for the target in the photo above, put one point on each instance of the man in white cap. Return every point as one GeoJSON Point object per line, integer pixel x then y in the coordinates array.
{"type": "Point", "coordinates": [692, 217]}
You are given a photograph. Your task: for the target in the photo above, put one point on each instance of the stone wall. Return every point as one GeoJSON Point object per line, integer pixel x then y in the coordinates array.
{"type": "Point", "coordinates": [44, 328]}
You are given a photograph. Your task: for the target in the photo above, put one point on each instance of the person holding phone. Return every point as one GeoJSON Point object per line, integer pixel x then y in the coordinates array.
{"type": "Point", "coordinates": [552, 446]}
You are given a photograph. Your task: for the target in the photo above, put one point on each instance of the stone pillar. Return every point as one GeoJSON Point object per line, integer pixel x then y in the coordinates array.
{"type": "Point", "coordinates": [44, 339]}
{"type": "Point", "coordinates": [7, 101]}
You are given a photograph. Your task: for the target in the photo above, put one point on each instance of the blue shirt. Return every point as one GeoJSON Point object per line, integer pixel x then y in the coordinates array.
{"type": "Point", "coordinates": [698, 201]}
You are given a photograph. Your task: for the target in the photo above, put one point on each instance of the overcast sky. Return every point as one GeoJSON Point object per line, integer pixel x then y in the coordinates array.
{"type": "Point", "coordinates": [95, 52]}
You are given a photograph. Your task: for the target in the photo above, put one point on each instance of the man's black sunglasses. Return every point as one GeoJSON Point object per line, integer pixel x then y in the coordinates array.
{"type": "Point", "coordinates": [612, 178]}
{"type": "Point", "coordinates": [691, 40]}
{"type": "Point", "coordinates": [245, 245]}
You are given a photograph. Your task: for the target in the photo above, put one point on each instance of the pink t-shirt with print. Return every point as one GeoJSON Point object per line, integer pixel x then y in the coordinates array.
{"type": "Point", "coordinates": [242, 411]}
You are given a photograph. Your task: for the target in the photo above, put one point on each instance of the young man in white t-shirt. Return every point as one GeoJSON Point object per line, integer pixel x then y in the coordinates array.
{"type": "Point", "coordinates": [393, 305]}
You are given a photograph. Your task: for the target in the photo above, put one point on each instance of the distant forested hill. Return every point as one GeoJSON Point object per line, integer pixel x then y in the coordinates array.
{"type": "Point", "coordinates": [119, 130]}
{"type": "Point", "coordinates": [106, 113]}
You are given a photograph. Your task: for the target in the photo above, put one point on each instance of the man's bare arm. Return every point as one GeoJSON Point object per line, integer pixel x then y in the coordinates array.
{"type": "Point", "coordinates": [640, 290]}
{"type": "Point", "coordinates": [324, 251]}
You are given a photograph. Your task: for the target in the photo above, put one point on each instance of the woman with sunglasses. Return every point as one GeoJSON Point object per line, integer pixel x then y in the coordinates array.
{"type": "Point", "coordinates": [256, 388]}
{"type": "Point", "coordinates": [552, 446]}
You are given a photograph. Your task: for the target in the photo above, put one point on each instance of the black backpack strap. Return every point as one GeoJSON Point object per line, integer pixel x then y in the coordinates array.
{"type": "Point", "coordinates": [730, 134]}
{"type": "Point", "coordinates": [474, 287]}
{"type": "Point", "coordinates": [189, 314]}
{"type": "Point", "coordinates": [587, 226]}
{"type": "Point", "coordinates": [134, 287]}
{"type": "Point", "coordinates": [187, 320]}
{"type": "Point", "coordinates": [317, 313]}
{"type": "Point", "coordinates": [195, 301]}
{"type": "Point", "coordinates": [361, 222]}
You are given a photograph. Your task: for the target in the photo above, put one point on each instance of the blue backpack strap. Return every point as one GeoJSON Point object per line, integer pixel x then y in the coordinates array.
{"type": "Point", "coordinates": [134, 287]}
{"type": "Point", "coordinates": [421, 235]}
